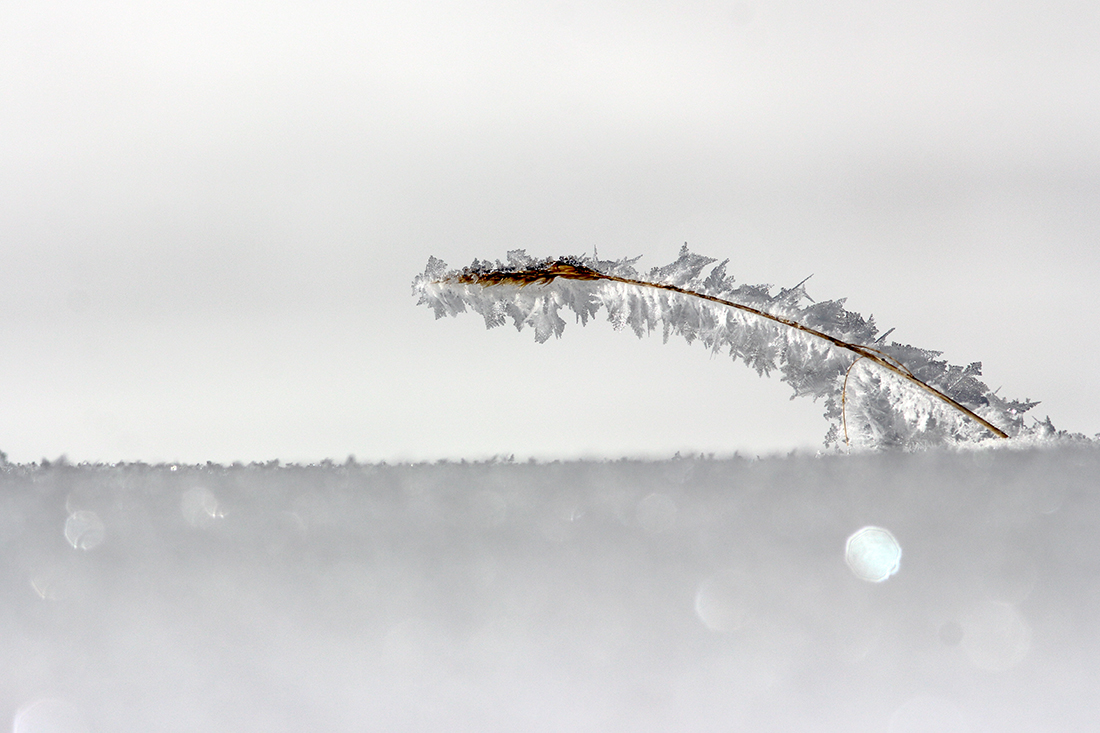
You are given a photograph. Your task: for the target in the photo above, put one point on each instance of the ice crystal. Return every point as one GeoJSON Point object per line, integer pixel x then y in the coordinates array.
{"type": "Point", "coordinates": [876, 394]}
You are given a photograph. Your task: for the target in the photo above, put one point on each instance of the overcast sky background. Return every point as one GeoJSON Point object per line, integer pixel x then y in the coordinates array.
{"type": "Point", "coordinates": [211, 213]}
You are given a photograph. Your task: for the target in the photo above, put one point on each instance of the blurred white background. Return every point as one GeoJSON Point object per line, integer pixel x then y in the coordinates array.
{"type": "Point", "coordinates": [210, 214]}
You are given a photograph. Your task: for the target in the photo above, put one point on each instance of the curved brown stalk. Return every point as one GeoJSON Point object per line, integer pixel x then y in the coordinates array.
{"type": "Point", "coordinates": [575, 271]}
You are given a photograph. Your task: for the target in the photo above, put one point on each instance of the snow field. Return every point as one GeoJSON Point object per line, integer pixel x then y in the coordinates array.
{"type": "Point", "coordinates": [894, 592]}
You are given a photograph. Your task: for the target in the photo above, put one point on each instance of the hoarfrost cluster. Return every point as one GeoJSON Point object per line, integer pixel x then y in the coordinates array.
{"type": "Point", "coordinates": [821, 349]}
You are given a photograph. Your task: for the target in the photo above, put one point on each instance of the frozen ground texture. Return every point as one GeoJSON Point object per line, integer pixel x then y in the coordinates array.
{"type": "Point", "coordinates": [683, 595]}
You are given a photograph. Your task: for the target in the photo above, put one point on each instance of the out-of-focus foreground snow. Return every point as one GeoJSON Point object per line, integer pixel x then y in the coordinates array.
{"type": "Point", "coordinates": [682, 595]}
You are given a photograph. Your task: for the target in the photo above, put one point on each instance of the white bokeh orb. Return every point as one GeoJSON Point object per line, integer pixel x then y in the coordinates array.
{"type": "Point", "coordinates": [84, 530]}
{"type": "Point", "coordinates": [873, 554]}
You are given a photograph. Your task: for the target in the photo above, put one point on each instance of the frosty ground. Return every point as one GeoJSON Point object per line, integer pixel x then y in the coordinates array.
{"type": "Point", "coordinates": [691, 594]}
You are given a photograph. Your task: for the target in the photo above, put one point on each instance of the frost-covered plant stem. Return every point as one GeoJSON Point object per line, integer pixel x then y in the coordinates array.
{"type": "Point", "coordinates": [773, 332]}
{"type": "Point", "coordinates": [576, 271]}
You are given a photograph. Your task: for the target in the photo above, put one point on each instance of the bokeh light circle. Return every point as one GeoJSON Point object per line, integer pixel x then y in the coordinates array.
{"type": "Point", "coordinates": [722, 602]}
{"type": "Point", "coordinates": [200, 507]}
{"type": "Point", "coordinates": [84, 530]}
{"type": "Point", "coordinates": [995, 637]}
{"type": "Point", "coordinates": [873, 554]}
{"type": "Point", "coordinates": [49, 716]}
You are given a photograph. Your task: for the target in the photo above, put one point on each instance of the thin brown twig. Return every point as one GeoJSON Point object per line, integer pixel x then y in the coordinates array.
{"type": "Point", "coordinates": [575, 271]}
{"type": "Point", "coordinates": [843, 401]}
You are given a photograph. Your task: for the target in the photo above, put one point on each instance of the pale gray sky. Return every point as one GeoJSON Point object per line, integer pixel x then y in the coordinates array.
{"type": "Point", "coordinates": [210, 213]}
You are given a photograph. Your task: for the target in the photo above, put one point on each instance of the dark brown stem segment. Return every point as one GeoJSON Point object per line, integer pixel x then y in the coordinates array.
{"type": "Point", "coordinates": [576, 271]}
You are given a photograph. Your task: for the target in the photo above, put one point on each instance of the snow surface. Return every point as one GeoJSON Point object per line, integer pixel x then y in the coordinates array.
{"type": "Point", "coordinates": [692, 594]}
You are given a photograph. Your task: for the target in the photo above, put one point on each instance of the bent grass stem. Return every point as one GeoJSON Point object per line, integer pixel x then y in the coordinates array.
{"type": "Point", "coordinates": [575, 271]}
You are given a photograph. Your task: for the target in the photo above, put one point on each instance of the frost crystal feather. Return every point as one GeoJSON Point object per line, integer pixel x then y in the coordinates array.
{"type": "Point", "coordinates": [875, 394]}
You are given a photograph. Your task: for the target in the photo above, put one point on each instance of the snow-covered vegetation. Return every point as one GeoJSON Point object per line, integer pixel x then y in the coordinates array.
{"type": "Point", "coordinates": [876, 394]}
{"type": "Point", "coordinates": [886, 591]}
